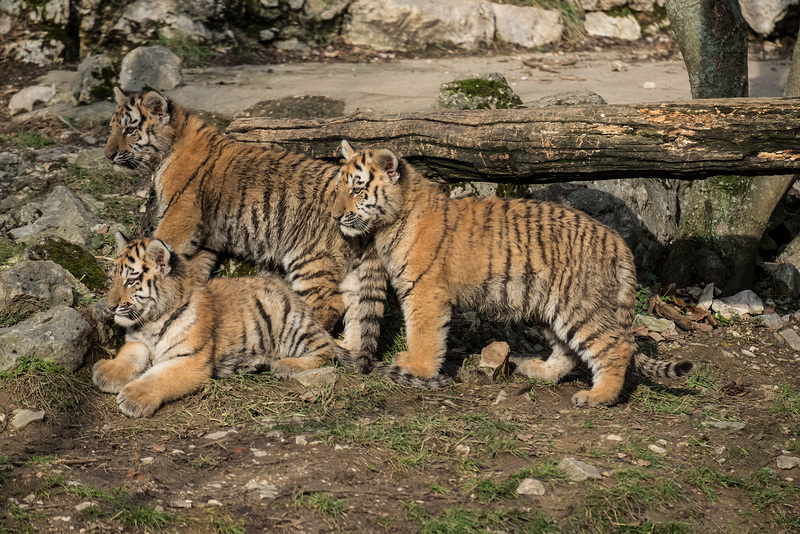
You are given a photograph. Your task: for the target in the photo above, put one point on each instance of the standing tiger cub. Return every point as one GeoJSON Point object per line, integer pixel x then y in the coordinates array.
{"type": "Point", "coordinates": [261, 204]}
{"type": "Point", "coordinates": [509, 258]}
{"type": "Point", "coordinates": [182, 328]}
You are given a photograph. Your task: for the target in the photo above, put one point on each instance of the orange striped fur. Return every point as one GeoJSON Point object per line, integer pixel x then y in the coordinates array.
{"type": "Point", "coordinates": [183, 328]}
{"type": "Point", "coordinates": [269, 206]}
{"type": "Point", "coordinates": [511, 259]}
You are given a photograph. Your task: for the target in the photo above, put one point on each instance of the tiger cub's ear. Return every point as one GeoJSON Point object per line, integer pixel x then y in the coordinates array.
{"type": "Point", "coordinates": [122, 240]}
{"type": "Point", "coordinates": [387, 161]}
{"type": "Point", "coordinates": [156, 105]}
{"type": "Point", "coordinates": [121, 98]}
{"type": "Point", "coordinates": [347, 150]}
{"type": "Point", "coordinates": [160, 252]}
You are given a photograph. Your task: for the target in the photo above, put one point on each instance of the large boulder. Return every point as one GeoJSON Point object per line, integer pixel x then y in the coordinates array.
{"type": "Point", "coordinates": [763, 15]}
{"type": "Point", "coordinates": [60, 214]}
{"type": "Point", "coordinates": [59, 335]}
{"type": "Point", "coordinates": [601, 25]}
{"type": "Point", "coordinates": [27, 98]}
{"type": "Point", "coordinates": [95, 80]}
{"type": "Point", "coordinates": [29, 285]}
{"type": "Point", "coordinates": [527, 26]}
{"type": "Point", "coordinates": [486, 92]}
{"type": "Point", "coordinates": [408, 24]}
{"type": "Point", "coordinates": [150, 66]}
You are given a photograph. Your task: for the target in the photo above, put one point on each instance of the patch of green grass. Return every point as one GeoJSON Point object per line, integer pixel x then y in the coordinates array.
{"type": "Point", "coordinates": [658, 399]}
{"type": "Point", "coordinates": [43, 461]}
{"type": "Point", "coordinates": [323, 504]}
{"type": "Point", "coordinates": [131, 515]}
{"type": "Point", "coordinates": [25, 139]}
{"type": "Point", "coordinates": [99, 183]}
{"type": "Point", "coordinates": [769, 491]}
{"type": "Point", "coordinates": [45, 386]}
{"type": "Point", "coordinates": [703, 381]}
{"type": "Point", "coordinates": [221, 522]}
{"type": "Point", "coordinates": [467, 521]}
{"type": "Point", "coordinates": [616, 508]}
{"type": "Point", "coordinates": [708, 480]}
{"type": "Point", "coordinates": [190, 52]}
{"type": "Point", "coordinates": [786, 402]}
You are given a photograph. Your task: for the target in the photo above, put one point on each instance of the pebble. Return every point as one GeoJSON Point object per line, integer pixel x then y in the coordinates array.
{"type": "Point", "coordinates": [220, 434]}
{"type": "Point", "coordinates": [23, 418]}
{"type": "Point", "coordinates": [84, 505]}
{"type": "Point", "coordinates": [791, 338]}
{"type": "Point", "coordinates": [578, 470]}
{"type": "Point", "coordinates": [656, 449]}
{"type": "Point", "coordinates": [788, 462]}
{"type": "Point", "coordinates": [501, 396]}
{"type": "Point", "coordinates": [264, 489]}
{"type": "Point", "coordinates": [649, 85]}
{"type": "Point", "coordinates": [531, 486]}
{"type": "Point", "coordinates": [301, 440]}
{"type": "Point", "coordinates": [494, 354]}
{"type": "Point", "coordinates": [736, 425]}
{"type": "Point", "coordinates": [613, 437]}
{"type": "Point", "coordinates": [323, 377]}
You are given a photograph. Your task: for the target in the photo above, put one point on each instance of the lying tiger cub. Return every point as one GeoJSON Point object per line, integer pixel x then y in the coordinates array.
{"type": "Point", "coordinates": [512, 259]}
{"type": "Point", "coordinates": [183, 328]}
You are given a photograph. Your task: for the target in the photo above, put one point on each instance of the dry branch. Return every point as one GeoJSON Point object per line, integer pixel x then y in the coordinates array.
{"type": "Point", "coordinates": [694, 139]}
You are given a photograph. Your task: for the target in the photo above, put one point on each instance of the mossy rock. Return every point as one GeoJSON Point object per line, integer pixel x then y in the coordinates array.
{"type": "Point", "coordinates": [8, 249]}
{"type": "Point", "coordinates": [486, 92]}
{"type": "Point", "coordinates": [75, 259]}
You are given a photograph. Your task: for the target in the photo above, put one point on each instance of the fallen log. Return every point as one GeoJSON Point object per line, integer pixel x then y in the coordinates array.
{"type": "Point", "coordinates": [687, 140]}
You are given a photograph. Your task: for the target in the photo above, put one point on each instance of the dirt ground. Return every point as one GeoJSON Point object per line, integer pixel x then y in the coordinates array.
{"type": "Point", "coordinates": [260, 454]}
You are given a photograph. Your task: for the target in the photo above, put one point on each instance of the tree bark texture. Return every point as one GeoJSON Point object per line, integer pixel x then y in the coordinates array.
{"type": "Point", "coordinates": [688, 140]}
{"type": "Point", "coordinates": [712, 35]}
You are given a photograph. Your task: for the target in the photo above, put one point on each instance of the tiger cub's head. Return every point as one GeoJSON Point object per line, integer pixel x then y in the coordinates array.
{"type": "Point", "coordinates": [149, 279]}
{"type": "Point", "coordinates": [140, 132]}
{"type": "Point", "coordinates": [368, 190]}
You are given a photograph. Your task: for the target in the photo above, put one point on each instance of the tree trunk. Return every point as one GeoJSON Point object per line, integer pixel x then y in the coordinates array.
{"type": "Point", "coordinates": [687, 140]}
{"type": "Point", "coordinates": [724, 217]}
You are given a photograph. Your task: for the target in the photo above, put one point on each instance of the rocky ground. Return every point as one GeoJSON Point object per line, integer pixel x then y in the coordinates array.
{"type": "Point", "coordinates": [716, 453]}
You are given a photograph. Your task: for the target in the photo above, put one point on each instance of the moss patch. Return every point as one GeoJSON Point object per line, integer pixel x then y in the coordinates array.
{"type": "Point", "coordinates": [487, 92]}
{"type": "Point", "coordinates": [75, 259]}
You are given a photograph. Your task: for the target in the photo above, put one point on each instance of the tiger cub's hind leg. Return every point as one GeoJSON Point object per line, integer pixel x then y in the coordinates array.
{"type": "Point", "coordinates": [608, 357]}
{"type": "Point", "coordinates": [558, 365]}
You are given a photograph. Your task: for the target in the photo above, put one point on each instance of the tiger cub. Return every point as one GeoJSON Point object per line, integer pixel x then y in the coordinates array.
{"type": "Point", "coordinates": [266, 205]}
{"type": "Point", "coordinates": [183, 328]}
{"type": "Point", "coordinates": [509, 258]}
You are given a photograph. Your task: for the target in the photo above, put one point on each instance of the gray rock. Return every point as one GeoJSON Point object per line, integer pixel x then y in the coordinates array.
{"type": "Point", "coordinates": [763, 15]}
{"type": "Point", "coordinates": [531, 486]}
{"type": "Point", "coordinates": [291, 44]}
{"type": "Point", "coordinates": [23, 418]}
{"type": "Point", "coordinates": [773, 321]}
{"type": "Point", "coordinates": [60, 214]}
{"type": "Point", "coordinates": [654, 324]}
{"type": "Point", "coordinates": [791, 338]}
{"type": "Point", "coordinates": [406, 24]}
{"type": "Point", "coordinates": [219, 434]}
{"type": "Point", "coordinates": [599, 24]}
{"type": "Point", "coordinates": [42, 52]}
{"type": "Point", "coordinates": [490, 91]}
{"type": "Point", "coordinates": [786, 278]}
{"type": "Point", "coordinates": [264, 489]}
{"type": "Point", "coordinates": [527, 26]}
{"type": "Point", "coordinates": [569, 98]}
{"type": "Point", "coordinates": [657, 449]}
{"type": "Point", "coordinates": [578, 470]}
{"type": "Point", "coordinates": [733, 425]}
{"type": "Point", "coordinates": [59, 335]}
{"type": "Point", "coordinates": [742, 303]}
{"type": "Point", "coordinates": [26, 99]}
{"type": "Point", "coordinates": [317, 378]}
{"type": "Point", "coordinates": [150, 66]}
{"type": "Point", "coordinates": [706, 298]}
{"type": "Point", "coordinates": [788, 462]}
{"type": "Point", "coordinates": [95, 80]}
{"type": "Point", "coordinates": [29, 285]}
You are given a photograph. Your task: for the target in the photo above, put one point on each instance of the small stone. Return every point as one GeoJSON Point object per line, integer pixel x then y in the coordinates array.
{"type": "Point", "coordinates": [500, 397]}
{"type": "Point", "coordinates": [494, 354]}
{"type": "Point", "coordinates": [773, 321]}
{"type": "Point", "coordinates": [788, 462]}
{"type": "Point", "coordinates": [654, 324]}
{"type": "Point", "coordinates": [656, 449]}
{"type": "Point", "coordinates": [791, 338]}
{"type": "Point", "coordinates": [148, 460]}
{"type": "Point", "coordinates": [180, 503]}
{"type": "Point", "coordinates": [84, 505]}
{"type": "Point", "coordinates": [463, 449]}
{"type": "Point", "coordinates": [619, 66]}
{"type": "Point", "coordinates": [706, 297]}
{"type": "Point", "coordinates": [531, 486]}
{"type": "Point", "coordinates": [301, 440]}
{"type": "Point", "coordinates": [735, 425]}
{"type": "Point", "coordinates": [23, 418]}
{"type": "Point", "coordinates": [578, 470]}
{"type": "Point", "coordinates": [317, 378]}
{"type": "Point", "coordinates": [219, 435]}
{"type": "Point", "coordinates": [214, 502]}
{"type": "Point", "coordinates": [649, 85]}
{"type": "Point", "coordinates": [742, 303]}
{"type": "Point", "coordinates": [266, 35]}
{"type": "Point", "coordinates": [613, 437]}
{"type": "Point", "coordinates": [264, 489]}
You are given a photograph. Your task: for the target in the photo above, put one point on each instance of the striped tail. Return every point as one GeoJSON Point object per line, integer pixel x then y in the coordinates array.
{"type": "Point", "coordinates": [650, 368]}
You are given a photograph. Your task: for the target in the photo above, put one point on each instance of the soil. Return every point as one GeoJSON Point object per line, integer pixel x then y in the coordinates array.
{"type": "Point", "coordinates": [259, 454]}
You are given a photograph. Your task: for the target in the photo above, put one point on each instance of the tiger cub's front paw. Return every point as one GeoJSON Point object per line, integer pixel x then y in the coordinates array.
{"type": "Point", "coordinates": [109, 376]}
{"type": "Point", "coordinates": [138, 400]}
